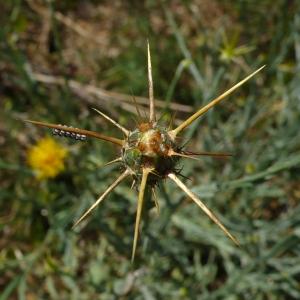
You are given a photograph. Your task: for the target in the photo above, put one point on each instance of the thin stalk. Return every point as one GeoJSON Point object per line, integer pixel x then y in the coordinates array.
{"type": "Point", "coordinates": [180, 68]}
{"type": "Point", "coordinates": [184, 49]}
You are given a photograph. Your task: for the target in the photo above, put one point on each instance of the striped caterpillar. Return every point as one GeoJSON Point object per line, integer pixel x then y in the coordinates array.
{"type": "Point", "coordinates": [69, 134]}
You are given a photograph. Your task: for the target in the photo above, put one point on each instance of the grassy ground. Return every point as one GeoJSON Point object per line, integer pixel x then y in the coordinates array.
{"type": "Point", "coordinates": [199, 49]}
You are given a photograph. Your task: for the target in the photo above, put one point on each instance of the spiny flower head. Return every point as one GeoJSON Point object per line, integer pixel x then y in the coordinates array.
{"type": "Point", "coordinates": [150, 153]}
{"type": "Point", "coordinates": [46, 158]}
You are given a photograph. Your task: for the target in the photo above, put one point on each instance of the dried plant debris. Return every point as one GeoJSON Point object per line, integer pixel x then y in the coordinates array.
{"type": "Point", "coordinates": [150, 153]}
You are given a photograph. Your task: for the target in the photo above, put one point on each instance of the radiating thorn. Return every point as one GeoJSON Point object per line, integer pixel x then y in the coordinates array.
{"type": "Point", "coordinates": [146, 172]}
{"type": "Point", "coordinates": [173, 133]}
{"type": "Point", "coordinates": [173, 153]}
{"type": "Point", "coordinates": [209, 153]}
{"type": "Point", "coordinates": [152, 171]}
{"type": "Point", "coordinates": [119, 159]}
{"type": "Point", "coordinates": [155, 200]}
{"type": "Point", "coordinates": [80, 131]}
{"type": "Point", "coordinates": [208, 212]}
{"type": "Point", "coordinates": [109, 189]}
{"type": "Point", "coordinates": [125, 131]}
{"type": "Point", "coordinates": [205, 153]}
{"type": "Point", "coordinates": [150, 83]}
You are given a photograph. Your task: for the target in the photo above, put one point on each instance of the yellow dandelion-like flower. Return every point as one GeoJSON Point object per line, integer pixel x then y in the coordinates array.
{"type": "Point", "coordinates": [46, 158]}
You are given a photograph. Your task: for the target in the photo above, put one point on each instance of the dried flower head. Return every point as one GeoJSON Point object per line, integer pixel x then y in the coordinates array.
{"type": "Point", "coordinates": [46, 158]}
{"type": "Point", "coordinates": [150, 153]}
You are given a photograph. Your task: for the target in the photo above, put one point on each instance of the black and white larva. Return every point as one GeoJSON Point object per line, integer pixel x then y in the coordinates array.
{"type": "Point", "coordinates": [66, 133]}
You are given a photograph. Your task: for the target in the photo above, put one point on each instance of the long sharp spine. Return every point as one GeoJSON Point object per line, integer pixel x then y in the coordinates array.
{"type": "Point", "coordinates": [173, 133]}
{"type": "Point", "coordinates": [108, 190]}
{"type": "Point", "coordinates": [206, 210]}
{"type": "Point", "coordinates": [146, 172]}
{"type": "Point", "coordinates": [150, 83]}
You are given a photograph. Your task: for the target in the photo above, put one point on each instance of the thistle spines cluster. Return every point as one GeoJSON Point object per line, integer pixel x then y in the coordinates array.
{"type": "Point", "coordinates": [150, 153]}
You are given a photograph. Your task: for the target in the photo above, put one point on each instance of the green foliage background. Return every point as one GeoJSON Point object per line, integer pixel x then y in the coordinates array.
{"type": "Point", "coordinates": [199, 49]}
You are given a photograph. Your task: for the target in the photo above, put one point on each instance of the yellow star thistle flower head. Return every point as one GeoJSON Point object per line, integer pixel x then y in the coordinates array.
{"type": "Point", "coordinates": [149, 154]}
{"type": "Point", "coordinates": [46, 158]}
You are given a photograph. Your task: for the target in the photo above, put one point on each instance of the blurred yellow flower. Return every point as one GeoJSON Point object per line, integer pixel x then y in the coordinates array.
{"type": "Point", "coordinates": [230, 50]}
{"type": "Point", "coordinates": [46, 158]}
